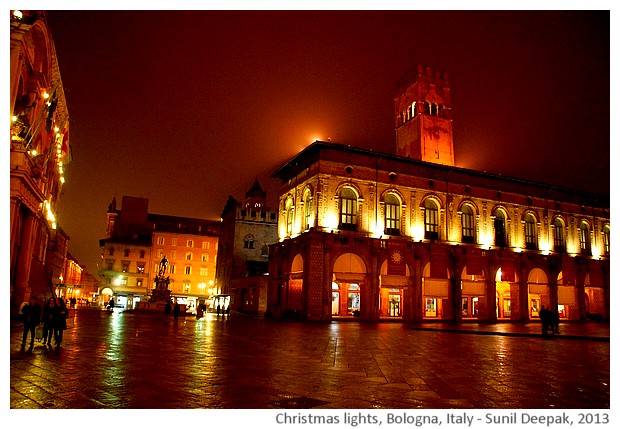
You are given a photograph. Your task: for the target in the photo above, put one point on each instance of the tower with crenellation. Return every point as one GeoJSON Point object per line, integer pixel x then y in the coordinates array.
{"type": "Point", "coordinates": [423, 116]}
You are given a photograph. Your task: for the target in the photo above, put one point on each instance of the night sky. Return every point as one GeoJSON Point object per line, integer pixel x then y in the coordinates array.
{"type": "Point", "coordinates": [185, 108]}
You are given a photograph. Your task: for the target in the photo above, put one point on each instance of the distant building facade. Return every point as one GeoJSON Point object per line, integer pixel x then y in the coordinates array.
{"type": "Point", "coordinates": [412, 236]}
{"type": "Point", "coordinates": [247, 229]}
{"type": "Point", "coordinates": [135, 243]}
{"type": "Point", "coordinates": [39, 152]}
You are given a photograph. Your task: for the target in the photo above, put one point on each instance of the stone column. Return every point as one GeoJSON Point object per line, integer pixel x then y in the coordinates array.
{"type": "Point", "coordinates": [21, 289]}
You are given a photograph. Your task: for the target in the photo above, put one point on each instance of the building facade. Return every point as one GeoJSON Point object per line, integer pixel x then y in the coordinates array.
{"type": "Point", "coordinates": [39, 152]}
{"type": "Point", "coordinates": [248, 227]}
{"type": "Point", "coordinates": [136, 242]}
{"type": "Point", "coordinates": [413, 236]}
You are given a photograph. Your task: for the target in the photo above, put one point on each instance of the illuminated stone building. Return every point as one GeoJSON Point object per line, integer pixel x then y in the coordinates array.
{"type": "Point", "coordinates": [413, 236]}
{"type": "Point", "coordinates": [247, 228]}
{"type": "Point", "coordinates": [39, 151]}
{"type": "Point", "coordinates": [135, 243]}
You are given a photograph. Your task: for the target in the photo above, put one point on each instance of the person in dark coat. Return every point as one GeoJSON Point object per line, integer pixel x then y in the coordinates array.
{"type": "Point", "coordinates": [167, 308]}
{"type": "Point", "coordinates": [177, 311]}
{"type": "Point", "coordinates": [48, 321]}
{"type": "Point", "coordinates": [31, 316]}
{"type": "Point", "coordinates": [555, 322]}
{"type": "Point", "coordinates": [545, 317]}
{"type": "Point", "coordinates": [59, 320]}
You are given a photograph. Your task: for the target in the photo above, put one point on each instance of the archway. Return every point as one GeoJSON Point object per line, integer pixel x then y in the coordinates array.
{"type": "Point", "coordinates": [434, 294]}
{"type": "Point", "coordinates": [507, 302]}
{"type": "Point", "coordinates": [391, 302]}
{"type": "Point", "coordinates": [294, 294]}
{"type": "Point", "coordinates": [349, 275]}
{"type": "Point", "coordinates": [567, 299]}
{"type": "Point", "coordinates": [473, 294]}
{"type": "Point", "coordinates": [537, 292]}
{"type": "Point", "coordinates": [595, 302]}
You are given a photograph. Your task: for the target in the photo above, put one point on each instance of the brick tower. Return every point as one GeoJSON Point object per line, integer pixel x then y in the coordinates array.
{"type": "Point", "coordinates": [424, 117]}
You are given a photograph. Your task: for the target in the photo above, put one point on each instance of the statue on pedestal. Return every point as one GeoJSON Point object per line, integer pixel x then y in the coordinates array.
{"type": "Point", "coordinates": [161, 293]}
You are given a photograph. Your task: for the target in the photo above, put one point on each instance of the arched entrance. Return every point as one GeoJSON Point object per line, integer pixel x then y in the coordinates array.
{"type": "Point", "coordinates": [392, 292]}
{"type": "Point", "coordinates": [506, 297]}
{"type": "Point", "coordinates": [473, 292]}
{"type": "Point", "coordinates": [567, 299]}
{"type": "Point", "coordinates": [349, 275]}
{"type": "Point", "coordinates": [595, 298]}
{"type": "Point", "coordinates": [434, 294]}
{"type": "Point", "coordinates": [295, 285]}
{"type": "Point", "coordinates": [537, 292]}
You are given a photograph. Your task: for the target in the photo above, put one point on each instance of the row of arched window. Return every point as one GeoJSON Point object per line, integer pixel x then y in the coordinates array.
{"type": "Point", "coordinates": [432, 109]}
{"type": "Point", "coordinates": [347, 221]}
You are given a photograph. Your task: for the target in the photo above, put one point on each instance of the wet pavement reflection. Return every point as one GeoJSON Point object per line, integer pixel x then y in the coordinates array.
{"type": "Point", "coordinates": [141, 360]}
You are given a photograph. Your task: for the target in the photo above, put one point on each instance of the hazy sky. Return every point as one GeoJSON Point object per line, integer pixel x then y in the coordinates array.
{"type": "Point", "coordinates": [186, 107]}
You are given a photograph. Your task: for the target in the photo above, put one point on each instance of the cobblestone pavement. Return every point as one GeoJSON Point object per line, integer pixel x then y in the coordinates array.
{"type": "Point", "coordinates": [138, 360]}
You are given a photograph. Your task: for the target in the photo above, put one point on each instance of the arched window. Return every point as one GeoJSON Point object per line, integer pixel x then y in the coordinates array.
{"type": "Point", "coordinates": [468, 225]}
{"type": "Point", "coordinates": [427, 108]}
{"type": "Point", "coordinates": [392, 214]}
{"type": "Point", "coordinates": [559, 245]}
{"type": "Point", "coordinates": [289, 216]}
{"type": "Point", "coordinates": [433, 109]}
{"type": "Point", "coordinates": [606, 239]}
{"type": "Point", "coordinates": [500, 228]}
{"type": "Point", "coordinates": [307, 209]}
{"type": "Point", "coordinates": [348, 209]}
{"type": "Point", "coordinates": [584, 239]}
{"type": "Point", "coordinates": [431, 220]}
{"type": "Point", "coordinates": [530, 232]}
{"type": "Point", "coordinates": [248, 242]}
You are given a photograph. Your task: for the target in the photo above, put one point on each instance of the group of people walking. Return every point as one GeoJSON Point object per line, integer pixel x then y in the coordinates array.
{"type": "Point", "coordinates": [53, 317]}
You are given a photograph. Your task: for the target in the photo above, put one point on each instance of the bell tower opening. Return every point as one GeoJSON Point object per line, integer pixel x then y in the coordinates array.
{"type": "Point", "coordinates": [423, 116]}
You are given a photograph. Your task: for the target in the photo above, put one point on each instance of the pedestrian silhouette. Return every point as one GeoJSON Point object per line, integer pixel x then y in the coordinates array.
{"type": "Point", "coordinates": [167, 308]}
{"type": "Point", "coordinates": [48, 321]}
{"type": "Point", "coordinates": [31, 316]}
{"type": "Point", "coordinates": [59, 317]}
{"type": "Point", "coordinates": [545, 317]}
{"type": "Point", "coordinates": [217, 309]}
{"type": "Point", "coordinates": [177, 310]}
{"type": "Point", "coordinates": [556, 322]}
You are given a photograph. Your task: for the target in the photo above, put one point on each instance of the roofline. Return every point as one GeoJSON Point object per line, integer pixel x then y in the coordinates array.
{"type": "Point", "coordinates": [317, 145]}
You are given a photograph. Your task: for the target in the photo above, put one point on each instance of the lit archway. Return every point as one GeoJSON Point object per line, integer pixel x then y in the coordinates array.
{"type": "Point", "coordinates": [537, 292]}
{"type": "Point", "coordinates": [434, 294]}
{"type": "Point", "coordinates": [391, 303]}
{"type": "Point", "coordinates": [349, 274]}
